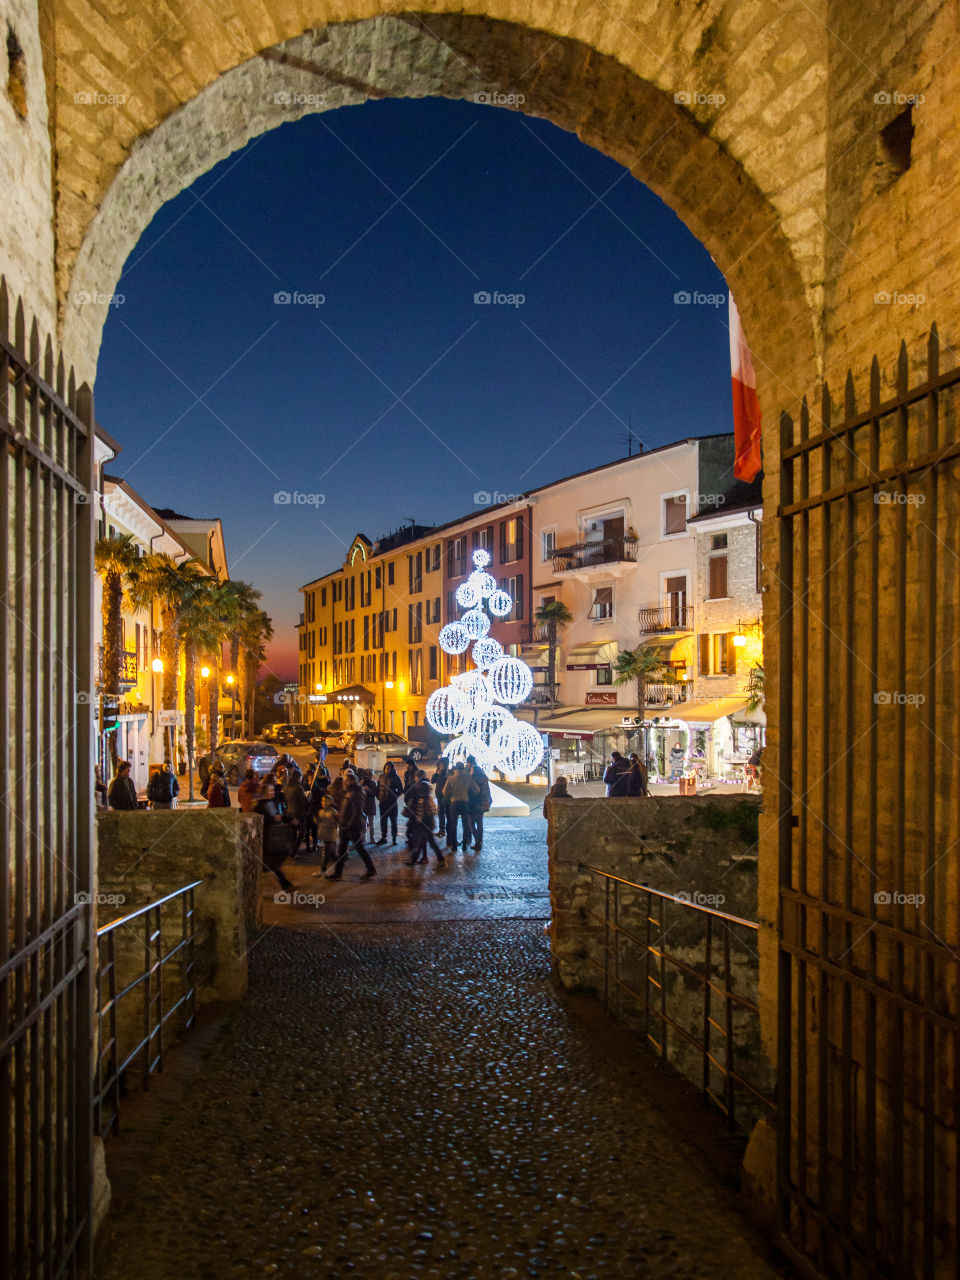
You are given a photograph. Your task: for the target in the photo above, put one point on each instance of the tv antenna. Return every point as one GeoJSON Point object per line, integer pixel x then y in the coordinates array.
{"type": "Point", "coordinates": [631, 439]}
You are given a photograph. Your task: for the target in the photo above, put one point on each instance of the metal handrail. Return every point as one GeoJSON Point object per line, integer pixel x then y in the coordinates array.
{"type": "Point", "coordinates": [110, 1065]}
{"type": "Point", "coordinates": [656, 958]}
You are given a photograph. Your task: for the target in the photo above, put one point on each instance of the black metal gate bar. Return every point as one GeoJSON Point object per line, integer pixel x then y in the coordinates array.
{"type": "Point", "coordinates": [45, 683]}
{"type": "Point", "coordinates": [868, 1180]}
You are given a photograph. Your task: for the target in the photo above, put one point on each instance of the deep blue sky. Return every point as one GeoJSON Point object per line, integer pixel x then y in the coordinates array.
{"type": "Point", "coordinates": [510, 204]}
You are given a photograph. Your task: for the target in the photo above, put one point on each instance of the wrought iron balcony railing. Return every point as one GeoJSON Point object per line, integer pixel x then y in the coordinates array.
{"type": "Point", "coordinates": [534, 633]}
{"type": "Point", "coordinates": [666, 695]}
{"type": "Point", "coordinates": [666, 617]}
{"type": "Point", "coordinates": [584, 554]}
{"type": "Point", "coordinates": [543, 695]}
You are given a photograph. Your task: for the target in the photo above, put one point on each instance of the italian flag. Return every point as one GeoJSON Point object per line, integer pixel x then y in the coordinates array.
{"type": "Point", "coordinates": [746, 406]}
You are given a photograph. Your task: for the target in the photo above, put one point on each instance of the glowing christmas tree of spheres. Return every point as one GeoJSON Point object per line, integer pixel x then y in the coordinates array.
{"type": "Point", "coordinates": [475, 704]}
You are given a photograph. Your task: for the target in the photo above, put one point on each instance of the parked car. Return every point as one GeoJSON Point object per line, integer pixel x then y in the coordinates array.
{"type": "Point", "coordinates": [293, 735]}
{"type": "Point", "coordinates": [394, 745]}
{"type": "Point", "coordinates": [270, 731]}
{"type": "Point", "coordinates": [238, 757]}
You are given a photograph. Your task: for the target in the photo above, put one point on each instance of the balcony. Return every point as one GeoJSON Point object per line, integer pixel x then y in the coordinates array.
{"type": "Point", "coordinates": [533, 633]}
{"type": "Point", "coordinates": [666, 695]}
{"type": "Point", "coordinates": [543, 695]}
{"type": "Point", "coordinates": [609, 553]}
{"type": "Point", "coordinates": [667, 617]}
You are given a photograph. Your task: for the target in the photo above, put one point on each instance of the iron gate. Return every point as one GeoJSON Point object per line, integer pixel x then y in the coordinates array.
{"type": "Point", "coordinates": [869, 668]}
{"type": "Point", "coordinates": [46, 683]}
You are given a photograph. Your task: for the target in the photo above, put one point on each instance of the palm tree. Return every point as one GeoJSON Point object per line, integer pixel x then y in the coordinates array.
{"type": "Point", "coordinates": [198, 634]}
{"type": "Point", "coordinates": [115, 560]}
{"type": "Point", "coordinates": [755, 688]}
{"type": "Point", "coordinates": [159, 578]}
{"type": "Point", "coordinates": [255, 631]}
{"type": "Point", "coordinates": [643, 666]}
{"type": "Point", "coordinates": [553, 616]}
{"type": "Point", "coordinates": [246, 598]}
{"type": "Point", "coordinates": [223, 613]}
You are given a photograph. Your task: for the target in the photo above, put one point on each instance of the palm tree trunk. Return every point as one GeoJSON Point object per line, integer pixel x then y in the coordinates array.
{"type": "Point", "coordinates": [112, 641]}
{"type": "Point", "coordinates": [642, 715]}
{"type": "Point", "coordinates": [552, 662]}
{"type": "Point", "coordinates": [190, 702]}
{"type": "Point", "coordinates": [170, 647]}
{"type": "Point", "coordinates": [213, 701]}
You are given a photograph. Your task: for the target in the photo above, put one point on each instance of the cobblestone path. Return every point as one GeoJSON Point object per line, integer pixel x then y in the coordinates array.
{"type": "Point", "coordinates": [399, 1100]}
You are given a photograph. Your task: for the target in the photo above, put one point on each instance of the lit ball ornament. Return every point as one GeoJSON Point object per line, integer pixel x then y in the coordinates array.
{"type": "Point", "coordinates": [475, 623]}
{"type": "Point", "coordinates": [456, 750]}
{"type": "Point", "coordinates": [484, 725]}
{"type": "Point", "coordinates": [454, 638]}
{"type": "Point", "coordinates": [486, 652]}
{"type": "Point", "coordinates": [467, 595]}
{"type": "Point", "coordinates": [500, 604]}
{"type": "Point", "coordinates": [477, 690]}
{"type": "Point", "coordinates": [517, 746]}
{"type": "Point", "coordinates": [481, 558]}
{"type": "Point", "coordinates": [484, 584]}
{"type": "Point", "coordinates": [447, 710]}
{"type": "Point", "coordinates": [512, 680]}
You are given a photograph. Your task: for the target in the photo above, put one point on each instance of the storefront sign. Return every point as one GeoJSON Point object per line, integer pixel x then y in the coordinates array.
{"type": "Point", "coordinates": [601, 698]}
{"type": "Point", "coordinates": [587, 666]}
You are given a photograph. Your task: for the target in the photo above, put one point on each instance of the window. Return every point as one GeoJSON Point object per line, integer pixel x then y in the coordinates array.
{"type": "Point", "coordinates": [604, 675]}
{"type": "Point", "coordinates": [415, 670]}
{"type": "Point", "coordinates": [456, 557]}
{"type": "Point", "coordinates": [511, 540]}
{"type": "Point", "coordinates": [482, 539]}
{"type": "Point", "coordinates": [718, 654]}
{"type": "Point", "coordinates": [514, 588]}
{"type": "Point", "coordinates": [718, 542]}
{"type": "Point", "coordinates": [366, 631]}
{"type": "Point", "coordinates": [548, 544]}
{"type": "Point", "coordinates": [602, 607]}
{"type": "Point", "coordinates": [415, 622]}
{"type": "Point", "coordinates": [415, 572]}
{"type": "Point", "coordinates": [675, 514]}
{"type": "Point", "coordinates": [433, 668]}
{"type": "Point", "coordinates": [718, 578]}
{"type": "Point", "coordinates": [434, 567]}
{"type": "Point", "coordinates": [378, 577]}
{"type": "Point", "coordinates": [390, 574]}
{"type": "Point", "coordinates": [393, 665]}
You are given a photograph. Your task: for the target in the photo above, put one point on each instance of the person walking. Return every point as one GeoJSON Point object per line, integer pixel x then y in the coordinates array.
{"type": "Point", "coordinates": [371, 791]}
{"type": "Point", "coordinates": [615, 777]}
{"type": "Point", "coordinates": [479, 803]}
{"type": "Point", "coordinates": [409, 777]}
{"type": "Point", "coordinates": [352, 824]}
{"type": "Point", "coordinates": [391, 788]}
{"type": "Point", "coordinates": [422, 810]}
{"type": "Point", "coordinates": [637, 784]}
{"type": "Point", "coordinates": [295, 802]}
{"type": "Point", "coordinates": [276, 838]}
{"type": "Point", "coordinates": [248, 793]}
{"type": "Point", "coordinates": [559, 790]}
{"type": "Point", "coordinates": [218, 794]}
{"type": "Point", "coordinates": [163, 788]}
{"type": "Point", "coordinates": [437, 782]}
{"type": "Point", "coordinates": [327, 832]}
{"type": "Point", "coordinates": [456, 791]}
{"type": "Point", "coordinates": [122, 794]}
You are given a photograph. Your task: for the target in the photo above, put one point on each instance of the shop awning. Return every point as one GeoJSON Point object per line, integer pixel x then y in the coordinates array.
{"type": "Point", "coordinates": [586, 720]}
{"type": "Point", "coordinates": [707, 712]}
{"type": "Point", "coordinates": [536, 656]}
{"type": "Point", "coordinates": [591, 655]}
{"type": "Point", "coordinates": [351, 693]}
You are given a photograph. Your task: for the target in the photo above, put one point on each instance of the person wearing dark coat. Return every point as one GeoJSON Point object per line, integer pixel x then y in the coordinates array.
{"type": "Point", "coordinates": [352, 826]}
{"type": "Point", "coordinates": [122, 794]}
{"type": "Point", "coordinates": [637, 778]}
{"type": "Point", "coordinates": [615, 778]}
{"type": "Point", "coordinates": [437, 781]}
{"type": "Point", "coordinates": [391, 789]}
{"type": "Point", "coordinates": [295, 800]}
{"type": "Point", "coordinates": [457, 791]}
{"type": "Point", "coordinates": [559, 790]}
{"type": "Point", "coordinates": [218, 794]}
{"type": "Point", "coordinates": [479, 803]}
{"type": "Point", "coordinates": [163, 788]}
{"type": "Point", "coordinates": [409, 777]}
{"type": "Point", "coordinates": [421, 812]}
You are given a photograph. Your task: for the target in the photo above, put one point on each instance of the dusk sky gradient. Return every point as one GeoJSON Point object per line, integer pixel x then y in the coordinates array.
{"type": "Point", "coordinates": [398, 398]}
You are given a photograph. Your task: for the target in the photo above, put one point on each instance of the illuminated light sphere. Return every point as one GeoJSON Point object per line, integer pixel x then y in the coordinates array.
{"type": "Point", "coordinates": [512, 680]}
{"type": "Point", "coordinates": [486, 652]}
{"type": "Point", "coordinates": [484, 584]}
{"type": "Point", "coordinates": [447, 710]}
{"type": "Point", "coordinates": [458, 749]}
{"type": "Point", "coordinates": [454, 638]}
{"type": "Point", "coordinates": [475, 623]}
{"type": "Point", "coordinates": [477, 690]}
{"type": "Point", "coordinates": [467, 595]}
{"type": "Point", "coordinates": [483, 725]}
{"type": "Point", "coordinates": [481, 558]}
{"type": "Point", "coordinates": [500, 604]}
{"type": "Point", "coordinates": [517, 746]}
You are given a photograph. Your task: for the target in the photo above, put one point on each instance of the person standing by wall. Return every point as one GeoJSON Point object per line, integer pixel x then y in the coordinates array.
{"type": "Point", "coordinates": [615, 777]}
{"type": "Point", "coordinates": [122, 794]}
{"type": "Point", "coordinates": [480, 802]}
{"type": "Point", "coordinates": [163, 788]}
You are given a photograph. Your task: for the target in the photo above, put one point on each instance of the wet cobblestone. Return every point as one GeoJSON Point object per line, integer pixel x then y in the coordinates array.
{"type": "Point", "coordinates": [397, 1101]}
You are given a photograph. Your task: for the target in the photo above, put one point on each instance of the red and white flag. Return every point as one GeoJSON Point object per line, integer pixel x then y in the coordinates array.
{"type": "Point", "coordinates": [746, 406]}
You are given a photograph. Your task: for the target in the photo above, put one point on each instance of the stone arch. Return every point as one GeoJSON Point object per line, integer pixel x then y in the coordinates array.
{"type": "Point", "coordinates": [628, 118]}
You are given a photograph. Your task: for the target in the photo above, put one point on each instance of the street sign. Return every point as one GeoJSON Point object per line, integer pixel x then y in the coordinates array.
{"type": "Point", "coordinates": [166, 718]}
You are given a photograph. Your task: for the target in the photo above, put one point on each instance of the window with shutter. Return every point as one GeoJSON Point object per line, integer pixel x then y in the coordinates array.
{"type": "Point", "coordinates": [704, 645]}
{"type": "Point", "coordinates": [718, 577]}
{"type": "Point", "coordinates": [675, 514]}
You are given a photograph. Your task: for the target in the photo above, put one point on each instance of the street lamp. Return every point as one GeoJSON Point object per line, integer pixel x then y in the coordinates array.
{"type": "Point", "coordinates": [233, 708]}
{"type": "Point", "coordinates": [157, 667]}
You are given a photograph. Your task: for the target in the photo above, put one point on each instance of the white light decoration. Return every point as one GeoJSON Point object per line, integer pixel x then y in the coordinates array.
{"type": "Point", "coordinates": [481, 558]}
{"type": "Point", "coordinates": [447, 710]}
{"type": "Point", "coordinates": [476, 689]}
{"type": "Point", "coordinates": [484, 584]}
{"type": "Point", "coordinates": [500, 604]}
{"type": "Point", "coordinates": [475, 623]}
{"type": "Point", "coordinates": [486, 652]}
{"type": "Point", "coordinates": [454, 638]}
{"type": "Point", "coordinates": [458, 749]}
{"type": "Point", "coordinates": [512, 680]}
{"type": "Point", "coordinates": [517, 746]}
{"type": "Point", "coordinates": [467, 595]}
{"type": "Point", "coordinates": [484, 724]}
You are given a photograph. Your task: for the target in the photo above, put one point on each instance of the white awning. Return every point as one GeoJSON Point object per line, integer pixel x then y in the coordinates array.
{"type": "Point", "coordinates": [592, 654]}
{"type": "Point", "coordinates": [707, 712]}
